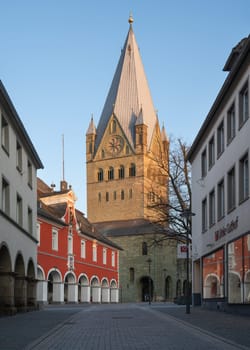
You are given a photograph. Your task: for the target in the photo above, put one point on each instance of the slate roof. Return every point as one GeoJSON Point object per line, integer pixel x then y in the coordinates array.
{"type": "Point", "coordinates": [90, 230]}
{"type": "Point", "coordinates": [50, 213]}
{"type": "Point", "coordinates": [127, 228]}
{"type": "Point", "coordinates": [128, 94]}
{"type": "Point", "coordinates": [56, 212]}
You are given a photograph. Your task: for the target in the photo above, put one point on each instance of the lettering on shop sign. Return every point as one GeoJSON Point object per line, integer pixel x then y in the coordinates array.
{"type": "Point", "coordinates": [226, 230]}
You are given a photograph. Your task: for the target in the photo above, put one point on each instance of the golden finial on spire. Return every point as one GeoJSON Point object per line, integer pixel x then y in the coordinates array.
{"type": "Point", "coordinates": [131, 19]}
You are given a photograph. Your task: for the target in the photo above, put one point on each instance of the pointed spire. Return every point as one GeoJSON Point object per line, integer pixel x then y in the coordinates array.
{"type": "Point", "coordinates": [91, 128]}
{"type": "Point", "coordinates": [129, 90]}
{"type": "Point", "coordinates": [140, 118]}
{"type": "Point", "coordinates": [164, 136]}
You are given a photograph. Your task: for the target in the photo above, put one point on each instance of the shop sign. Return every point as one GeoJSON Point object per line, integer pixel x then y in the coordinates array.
{"type": "Point", "coordinates": [182, 251]}
{"type": "Point", "coordinates": [233, 225]}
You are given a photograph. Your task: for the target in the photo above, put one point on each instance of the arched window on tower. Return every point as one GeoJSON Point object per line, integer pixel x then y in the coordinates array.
{"type": "Point", "coordinates": [132, 170]}
{"type": "Point", "coordinates": [121, 172]}
{"type": "Point", "coordinates": [111, 173]}
{"type": "Point", "coordinates": [144, 248]}
{"type": "Point", "coordinates": [100, 175]}
{"type": "Point", "coordinates": [122, 195]}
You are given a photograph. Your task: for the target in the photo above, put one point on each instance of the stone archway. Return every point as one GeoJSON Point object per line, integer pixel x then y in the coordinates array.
{"type": "Point", "coordinates": [20, 289]}
{"type": "Point", "coordinates": [31, 285]}
{"type": "Point", "coordinates": [83, 289]}
{"type": "Point", "coordinates": [114, 292]}
{"type": "Point", "coordinates": [105, 291]}
{"type": "Point", "coordinates": [95, 290]}
{"type": "Point", "coordinates": [168, 288]}
{"type": "Point", "coordinates": [6, 281]}
{"type": "Point", "coordinates": [42, 286]}
{"type": "Point", "coordinates": [147, 288]}
{"type": "Point", "coordinates": [55, 287]}
{"type": "Point", "coordinates": [70, 288]}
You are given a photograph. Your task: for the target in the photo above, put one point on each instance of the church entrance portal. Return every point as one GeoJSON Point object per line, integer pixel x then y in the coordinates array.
{"type": "Point", "coordinates": [147, 288]}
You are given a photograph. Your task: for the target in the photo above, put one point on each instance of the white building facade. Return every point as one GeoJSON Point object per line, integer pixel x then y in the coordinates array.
{"type": "Point", "coordinates": [18, 211]}
{"type": "Point", "coordinates": [220, 192]}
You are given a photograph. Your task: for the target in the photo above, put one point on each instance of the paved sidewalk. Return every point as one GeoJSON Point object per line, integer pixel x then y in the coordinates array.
{"type": "Point", "coordinates": [157, 326]}
{"type": "Point", "coordinates": [233, 327]}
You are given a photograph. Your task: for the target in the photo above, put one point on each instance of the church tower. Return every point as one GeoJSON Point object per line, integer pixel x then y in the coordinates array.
{"type": "Point", "coordinates": [127, 176]}
{"type": "Point", "coordinates": [124, 151]}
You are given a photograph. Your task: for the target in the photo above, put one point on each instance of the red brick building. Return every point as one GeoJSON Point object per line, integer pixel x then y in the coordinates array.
{"type": "Point", "coordinates": [75, 262]}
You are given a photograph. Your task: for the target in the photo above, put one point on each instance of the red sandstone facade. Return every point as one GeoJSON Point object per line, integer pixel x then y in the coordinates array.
{"type": "Point", "coordinates": [75, 262]}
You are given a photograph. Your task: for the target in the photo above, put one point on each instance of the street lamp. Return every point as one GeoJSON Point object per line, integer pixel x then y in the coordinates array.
{"type": "Point", "coordinates": [149, 281]}
{"type": "Point", "coordinates": [187, 214]}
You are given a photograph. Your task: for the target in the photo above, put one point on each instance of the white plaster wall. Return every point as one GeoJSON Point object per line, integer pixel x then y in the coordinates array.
{"type": "Point", "coordinates": [205, 242]}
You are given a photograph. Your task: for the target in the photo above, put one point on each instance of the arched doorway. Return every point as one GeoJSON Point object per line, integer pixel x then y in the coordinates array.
{"type": "Point", "coordinates": [20, 290]}
{"type": "Point", "coordinates": [6, 279]}
{"type": "Point", "coordinates": [105, 291]}
{"type": "Point", "coordinates": [147, 288]}
{"type": "Point", "coordinates": [70, 288]}
{"type": "Point", "coordinates": [83, 289]}
{"type": "Point", "coordinates": [234, 288]}
{"type": "Point", "coordinates": [168, 288]}
{"type": "Point", "coordinates": [42, 288]}
{"type": "Point", "coordinates": [55, 287]}
{"type": "Point", "coordinates": [31, 285]}
{"type": "Point", "coordinates": [114, 292]}
{"type": "Point", "coordinates": [95, 290]}
{"type": "Point", "coordinates": [178, 288]}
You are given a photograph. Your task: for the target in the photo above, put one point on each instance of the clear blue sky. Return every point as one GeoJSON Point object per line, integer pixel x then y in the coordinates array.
{"type": "Point", "coordinates": [58, 57]}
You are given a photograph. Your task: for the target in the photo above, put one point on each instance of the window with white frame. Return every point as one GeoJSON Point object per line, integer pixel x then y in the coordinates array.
{"type": "Point", "coordinates": [204, 215]}
{"type": "Point", "coordinates": [220, 139]}
{"type": "Point", "coordinates": [70, 244]}
{"type": "Point", "coordinates": [221, 199]}
{"type": "Point", "coordinates": [54, 239]}
{"type": "Point", "coordinates": [104, 256]}
{"type": "Point", "coordinates": [5, 196]}
{"type": "Point", "coordinates": [231, 123]}
{"type": "Point", "coordinates": [83, 249]}
{"type": "Point", "coordinates": [243, 178]}
{"type": "Point", "coordinates": [231, 189]}
{"type": "Point", "coordinates": [19, 160]}
{"type": "Point", "coordinates": [94, 251]}
{"type": "Point", "coordinates": [212, 208]}
{"type": "Point", "coordinates": [204, 163]}
{"type": "Point", "coordinates": [5, 134]}
{"type": "Point", "coordinates": [243, 104]}
{"type": "Point", "coordinates": [19, 210]}
{"type": "Point", "coordinates": [211, 152]}
{"type": "Point", "coordinates": [113, 258]}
